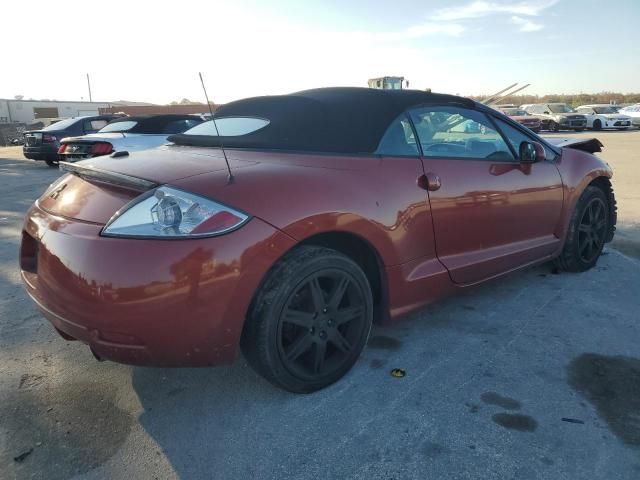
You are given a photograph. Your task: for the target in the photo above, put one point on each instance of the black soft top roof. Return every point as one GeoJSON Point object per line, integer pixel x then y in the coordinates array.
{"type": "Point", "coordinates": [153, 123]}
{"type": "Point", "coordinates": [334, 120]}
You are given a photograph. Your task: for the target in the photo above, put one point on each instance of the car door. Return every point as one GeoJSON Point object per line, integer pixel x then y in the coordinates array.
{"type": "Point", "coordinates": [491, 213]}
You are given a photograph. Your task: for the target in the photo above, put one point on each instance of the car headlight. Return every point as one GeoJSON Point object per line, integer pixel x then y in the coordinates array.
{"type": "Point", "coordinates": [171, 213]}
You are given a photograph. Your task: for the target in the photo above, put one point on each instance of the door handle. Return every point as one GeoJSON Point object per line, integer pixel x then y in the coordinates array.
{"type": "Point", "coordinates": [429, 181]}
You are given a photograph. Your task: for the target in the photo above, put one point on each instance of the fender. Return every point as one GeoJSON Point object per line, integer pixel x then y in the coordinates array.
{"type": "Point", "coordinates": [577, 169]}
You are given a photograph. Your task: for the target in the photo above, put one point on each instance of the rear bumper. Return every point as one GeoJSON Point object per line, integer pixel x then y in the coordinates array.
{"type": "Point", "coordinates": [147, 302]}
{"type": "Point", "coordinates": [41, 152]}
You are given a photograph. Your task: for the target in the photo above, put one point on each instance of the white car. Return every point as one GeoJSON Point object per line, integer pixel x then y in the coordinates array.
{"type": "Point", "coordinates": [128, 134]}
{"type": "Point", "coordinates": [632, 111]}
{"type": "Point", "coordinates": [604, 116]}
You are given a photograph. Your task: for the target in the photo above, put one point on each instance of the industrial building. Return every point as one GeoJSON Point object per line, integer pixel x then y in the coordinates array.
{"type": "Point", "coordinates": [30, 111]}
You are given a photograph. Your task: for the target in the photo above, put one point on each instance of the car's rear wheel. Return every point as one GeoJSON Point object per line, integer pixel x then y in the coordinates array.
{"type": "Point", "coordinates": [597, 125]}
{"type": "Point", "coordinates": [310, 321]}
{"type": "Point", "coordinates": [587, 232]}
{"type": "Point", "coordinates": [554, 127]}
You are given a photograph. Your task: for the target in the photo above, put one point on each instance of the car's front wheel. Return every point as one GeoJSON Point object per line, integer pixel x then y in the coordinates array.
{"type": "Point", "coordinates": [587, 233]}
{"type": "Point", "coordinates": [310, 321]}
{"type": "Point", "coordinates": [52, 163]}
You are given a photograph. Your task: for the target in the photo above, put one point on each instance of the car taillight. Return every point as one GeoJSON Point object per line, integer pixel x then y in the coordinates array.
{"type": "Point", "coordinates": [46, 138]}
{"type": "Point", "coordinates": [101, 148]}
{"type": "Point", "coordinates": [62, 148]}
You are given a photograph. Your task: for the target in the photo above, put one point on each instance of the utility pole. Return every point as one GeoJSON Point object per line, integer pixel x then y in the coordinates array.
{"type": "Point", "coordinates": [89, 85]}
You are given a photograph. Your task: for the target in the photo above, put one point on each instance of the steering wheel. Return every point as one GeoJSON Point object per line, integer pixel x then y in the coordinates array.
{"type": "Point", "coordinates": [445, 148]}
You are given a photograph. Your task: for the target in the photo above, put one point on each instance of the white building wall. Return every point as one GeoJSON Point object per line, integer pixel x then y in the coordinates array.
{"type": "Point", "coordinates": [23, 110]}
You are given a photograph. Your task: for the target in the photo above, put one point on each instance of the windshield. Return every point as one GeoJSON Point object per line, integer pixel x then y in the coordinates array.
{"type": "Point", "coordinates": [118, 126]}
{"type": "Point", "coordinates": [605, 109]}
{"type": "Point", "coordinates": [393, 84]}
{"type": "Point", "coordinates": [561, 108]}
{"type": "Point", "coordinates": [61, 125]}
{"type": "Point", "coordinates": [514, 112]}
{"type": "Point", "coordinates": [229, 127]}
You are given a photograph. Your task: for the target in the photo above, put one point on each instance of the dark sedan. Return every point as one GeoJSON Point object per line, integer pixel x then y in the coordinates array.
{"type": "Point", "coordinates": [44, 144]}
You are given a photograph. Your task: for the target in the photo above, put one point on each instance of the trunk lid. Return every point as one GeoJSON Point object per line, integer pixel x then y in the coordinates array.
{"type": "Point", "coordinates": [99, 187]}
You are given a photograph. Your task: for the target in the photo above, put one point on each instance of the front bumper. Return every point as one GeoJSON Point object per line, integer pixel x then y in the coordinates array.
{"type": "Point", "coordinates": [572, 124]}
{"type": "Point", "coordinates": [147, 302]}
{"type": "Point", "coordinates": [618, 124]}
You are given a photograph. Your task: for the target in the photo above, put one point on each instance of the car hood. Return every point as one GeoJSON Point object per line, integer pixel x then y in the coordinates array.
{"type": "Point", "coordinates": [590, 145]}
{"type": "Point", "coordinates": [525, 118]}
{"type": "Point", "coordinates": [567, 115]}
{"type": "Point", "coordinates": [614, 116]}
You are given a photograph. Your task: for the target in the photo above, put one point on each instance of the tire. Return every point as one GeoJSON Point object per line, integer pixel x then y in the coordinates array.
{"type": "Point", "coordinates": [588, 232]}
{"type": "Point", "coordinates": [300, 334]}
{"type": "Point", "coordinates": [554, 127]}
{"type": "Point", "coordinates": [597, 125]}
{"type": "Point", "coordinates": [52, 163]}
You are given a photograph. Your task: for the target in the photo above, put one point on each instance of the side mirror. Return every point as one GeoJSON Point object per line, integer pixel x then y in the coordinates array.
{"type": "Point", "coordinates": [531, 152]}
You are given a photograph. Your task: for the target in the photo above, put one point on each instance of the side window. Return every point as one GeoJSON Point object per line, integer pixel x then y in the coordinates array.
{"type": "Point", "coordinates": [458, 133]}
{"type": "Point", "coordinates": [516, 137]}
{"type": "Point", "coordinates": [398, 140]}
{"type": "Point", "coordinates": [91, 126]}
{"type": "Point", "coordinates": [179, 126]}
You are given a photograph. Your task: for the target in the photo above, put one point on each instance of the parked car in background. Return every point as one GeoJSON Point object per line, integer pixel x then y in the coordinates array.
{"type": "Point", "coordinates": [311, 231]}
{"type": "Point", "coordinates": [604, 116]}
{"type": "Point", "coordinates": [557, 116]}
{"type": "Point", "coordinates": [522, 117]}
{"type": "Point", "coordinates": [632, 111]}
{"type": "Point", "coordinates": [43, 144]}
{"type": "Point", "coordinates": [127, 133]}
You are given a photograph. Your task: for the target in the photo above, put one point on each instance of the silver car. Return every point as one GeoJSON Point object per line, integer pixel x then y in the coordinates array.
{"type": "Point", "coordinates": [557, 116]}
{"type": "Point", "coordinates": [632, 111]}
{"type": "Point", "coordinates": [604, 116]}
{"type": "Point", "coordinates": [126, 134]}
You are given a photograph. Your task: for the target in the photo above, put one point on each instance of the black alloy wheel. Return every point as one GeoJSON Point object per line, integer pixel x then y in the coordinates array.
{"type": "Point", "coordinates": [592, 230]}
{"type": "Point", "coordinates": [589, 230]}
{"type": "Point", "coordinates": [321, 323]}
{"type": "Point", "coordinates": [310, 320]}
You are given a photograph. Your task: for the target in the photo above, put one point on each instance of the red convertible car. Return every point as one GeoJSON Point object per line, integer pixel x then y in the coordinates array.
{"type": "Point", "coordinates": [338, 208]}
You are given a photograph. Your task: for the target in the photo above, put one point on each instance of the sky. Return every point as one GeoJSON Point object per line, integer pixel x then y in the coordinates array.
{"type": "Point", "coordinates": [152, 51]}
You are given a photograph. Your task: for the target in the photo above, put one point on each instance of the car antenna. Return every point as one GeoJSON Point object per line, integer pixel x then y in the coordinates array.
{"type": "Point", "coordinates": [215, 125]}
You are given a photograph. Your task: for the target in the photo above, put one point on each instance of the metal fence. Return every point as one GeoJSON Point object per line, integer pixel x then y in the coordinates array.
{"type": "Point", "coordinates": [10, 132]}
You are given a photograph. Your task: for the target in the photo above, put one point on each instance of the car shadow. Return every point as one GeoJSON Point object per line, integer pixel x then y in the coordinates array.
{"type": "Point", "coordinates": [192, 413]}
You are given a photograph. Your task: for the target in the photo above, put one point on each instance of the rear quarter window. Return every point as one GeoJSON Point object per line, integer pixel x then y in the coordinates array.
{"type": "Point", "coordinates": [229, 126]}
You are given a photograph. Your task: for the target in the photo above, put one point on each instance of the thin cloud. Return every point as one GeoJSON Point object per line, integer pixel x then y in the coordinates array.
{"type": "Point", "coordinates": [451, 29]}
{"type": "Point", "coordinates": [526, 25]}
{"type": "Point", "coordinates": [481, 8]}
